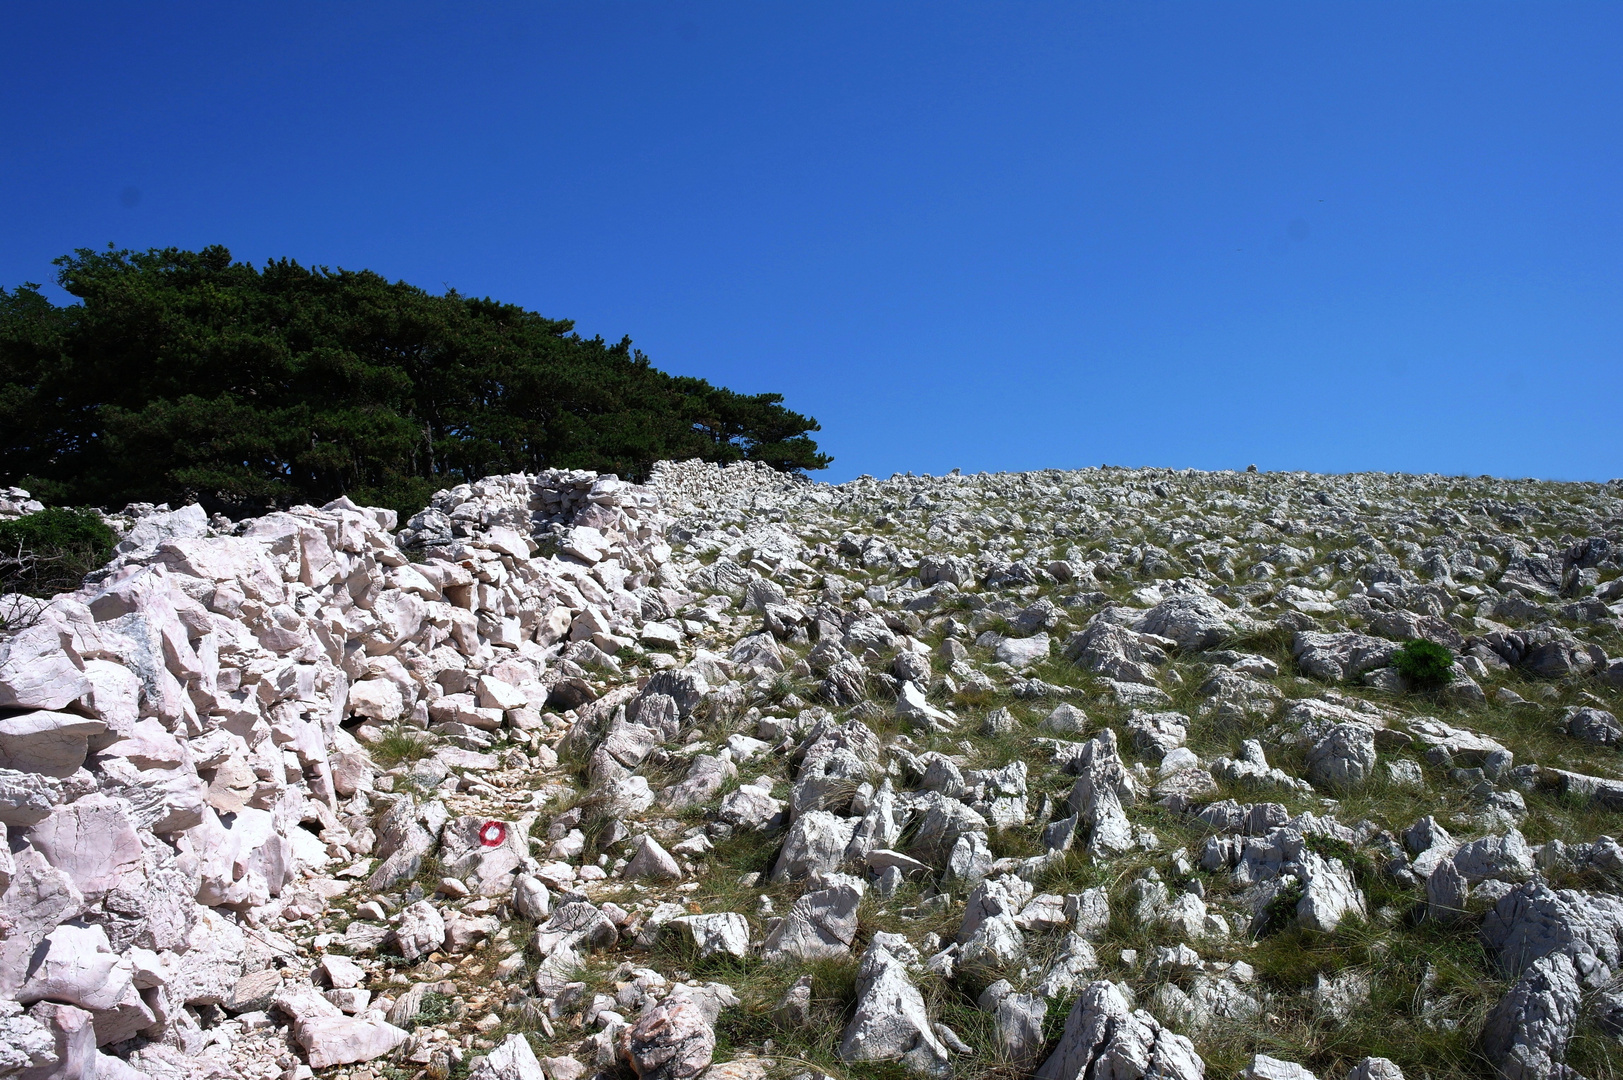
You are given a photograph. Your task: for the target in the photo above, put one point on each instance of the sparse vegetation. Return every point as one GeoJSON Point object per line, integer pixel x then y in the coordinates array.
{"type": "Point", "coordinates": [401, 744]}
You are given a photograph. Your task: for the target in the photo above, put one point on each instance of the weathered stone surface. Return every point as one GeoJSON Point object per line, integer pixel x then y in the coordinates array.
{"type": "Point", "coordinates": [93, 841]}
{"type": "Point", "coordinates": [344, 1040]}
{"type": "Point", "coordinates": [1329, 893]}
{"type": "Point", "coordinates": [1592, 726]}
{"type": "Point", "coordinates": [1018, 1021]}
{"type": "Point", "coordinates": [25, 1043]}
{"type": "Point", "coordinates": [1534, 920]}
{"type": "Point", "coordinates": [705, 777]}
{"type": "Point", "coordinates": [891, 1022]}
{"type": "Point", "coordinates": [1116, 653]}
{"type": "Point", "coordinates": [1104, 1036]}
{"type": "Point", "coordinates": [51, 743]}
{"type": "Point", "coordinates": [821, 923]}
{"type": "Point", "coordinates": [794, 1008]}
{"type": "Point", "coordinates": [38, 899]}
{"type": "Point", "coordinates": [77, 964]}
{"type": "Point", "coordinates": [1097, 796]}
{"type": "Point", "coordinates": [815, 843]}
{"type": "Point", "coordinates": [1500, 858]}
{"type": "Point", "coordinates": [421, 930]}
{"type": "Point", "coordinates": [1066, 719]}
{"type": "Point", "coordinates": [38, 670]}
{"type": "Point", "coordinates": [1339, 657]}
{"type": "Point", "coordinates": [206, 973]}
{"type": "Point", "coordinates": [574, 925]}
{"type": "Point", "coordinates": [1076, 962]}
{"type": "Point", "coordinates": [674, 1040]}
{"type": "Point", "coordinates": [255, 990]}
{"type": "Point", "coordinates": [1021, 653]}
{"type": "Point", "coordinates": [1263, 1067]}
{"type": "Point", "coordinates": [912, 707]}
{"type": "Point", "coordinates": [1344, 758]}
{"type": "Point", "coordinates": [653, 862]}
{"type": "Point", "coordinates": [1446, 893]}
{"type": "Point", "coordinates": [511, 1060]}
{"type": "Point", "coordinates": [1209, 1000]}
{"type": "Point", "coordinates": [1194, 621]}
{"type": "Point", "coordinates": [1526, 1034]}
{"type": "Point", "coordinates": [72, 1035]}
{"type": "Point", "coordinates": [1375, 1068]}
{"type": "Point", "coordinates": [751, 806]}
{"type": "Point", "coordinates": [1157, 734]}
{"type": "Point", "coordinates": [1554, 942]}
{"type": "Point", "coordinates": [26, 798]}
{"type": "Point", "coordinates": [725, 932]}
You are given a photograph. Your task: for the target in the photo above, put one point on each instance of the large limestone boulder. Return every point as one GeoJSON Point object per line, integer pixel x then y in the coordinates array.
{"type": "Point", "coordinates": [38, 670]}
{"type": "Point", "coordinates": [512, 1060]}
{"type": "Point", "coordinates": [1344, 758]}
{"type": "Point", "coordinates": [52, 743]}
{"type": "Point", "coordinates": [676, 1039]}
{"type": "Point", "coordinates": [93, 841]}
{"type": "Point", "coordinates": [1340, 657]}
{"type": "Point", "coordinates": [821, 923]}
{"type": "Point", "coordinates": [891, 1021]}
{"type": "Point", "coordinates": [1195, 621]}
{"type": "Point", "coordinates": [346, 1040]}
{"type": "Point", "coordinates": [1104, 1036]}
{"type": "Point", "coordinates": [39, 898]}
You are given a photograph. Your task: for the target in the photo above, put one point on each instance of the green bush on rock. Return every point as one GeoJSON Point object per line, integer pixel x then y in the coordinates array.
{"type": "Point", "coordinates": [51, 551]}
{"type": "Point", "coordinates": [1424, 663]}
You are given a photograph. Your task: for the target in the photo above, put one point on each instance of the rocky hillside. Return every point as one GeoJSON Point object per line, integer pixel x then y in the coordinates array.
{"type": "Point", "coordinates": [1086, 775]}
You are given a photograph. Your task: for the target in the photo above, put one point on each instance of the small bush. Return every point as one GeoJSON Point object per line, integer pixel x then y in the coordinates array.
{"type": "Point", "coordinates": [50, 552]}
{"type": "Point", "coordinates": [1424, 662]}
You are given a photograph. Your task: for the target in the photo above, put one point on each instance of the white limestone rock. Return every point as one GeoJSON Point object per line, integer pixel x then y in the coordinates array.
{"type": "Point", "coordinates": [1104, 1036]}
{"type": "Point", "coordinates": [891, 1022]}
{"type": "Point", "coordinates": [822, 923]}
{"type": "Point", "coordinates": [51, 743]}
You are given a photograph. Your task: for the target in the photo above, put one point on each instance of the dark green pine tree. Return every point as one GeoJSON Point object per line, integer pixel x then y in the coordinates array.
{"type": "Point", "coordinates": [182, 375]}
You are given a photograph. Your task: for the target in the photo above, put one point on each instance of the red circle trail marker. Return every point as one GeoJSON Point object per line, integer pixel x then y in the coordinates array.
{"type": "Point", "coordinates": [492, 833]}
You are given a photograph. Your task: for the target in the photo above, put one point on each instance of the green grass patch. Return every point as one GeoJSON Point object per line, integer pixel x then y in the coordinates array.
{"type": "Point", "coordinates": [399, 745]}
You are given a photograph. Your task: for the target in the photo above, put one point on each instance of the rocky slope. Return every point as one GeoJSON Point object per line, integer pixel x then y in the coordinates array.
{"type": "Point", "coordinates": [1104, 773]}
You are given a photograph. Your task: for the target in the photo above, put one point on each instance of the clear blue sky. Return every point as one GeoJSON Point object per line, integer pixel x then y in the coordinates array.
{"type": "Point", "coordinates": [989, 236]}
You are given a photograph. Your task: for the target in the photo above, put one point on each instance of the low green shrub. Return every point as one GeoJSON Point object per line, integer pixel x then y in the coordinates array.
{"type": "Point", "coordinates": [1425, 663]}
{"type": "Point", "coordinates": [50, 552]}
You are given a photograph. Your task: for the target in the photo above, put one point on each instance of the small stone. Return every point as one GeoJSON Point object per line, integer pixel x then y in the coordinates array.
{"type": "Point", "coordinates": [653, 862]}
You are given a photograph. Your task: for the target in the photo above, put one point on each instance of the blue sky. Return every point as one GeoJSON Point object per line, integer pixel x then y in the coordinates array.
{"type": "Point", "coordinates": [988, 236]}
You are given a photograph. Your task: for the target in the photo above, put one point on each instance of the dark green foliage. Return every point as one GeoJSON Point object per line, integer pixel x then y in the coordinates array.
{"type": "Point", "coordinates": [50, 552]}
{"type": "Point", "coordinates": [185, 375]}
{"type": "Point", "coordinates": [1424, 662]}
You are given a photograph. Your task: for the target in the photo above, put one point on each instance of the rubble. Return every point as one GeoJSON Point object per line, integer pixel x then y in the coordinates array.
{"type": "Point", "coordinates": [307, 791]}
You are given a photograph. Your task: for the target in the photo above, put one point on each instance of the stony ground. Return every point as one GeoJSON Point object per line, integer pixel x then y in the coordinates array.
{"type": "Point", "coordinates": [1108, 773]}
